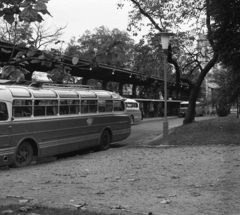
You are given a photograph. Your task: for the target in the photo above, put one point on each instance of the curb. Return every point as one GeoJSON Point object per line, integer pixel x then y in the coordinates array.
{"type": "Point", "coordinates": [146, 143]}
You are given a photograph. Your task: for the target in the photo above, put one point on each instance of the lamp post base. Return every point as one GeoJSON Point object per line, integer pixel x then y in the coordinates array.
{"type": "Point", "coordinates": [165, 132]}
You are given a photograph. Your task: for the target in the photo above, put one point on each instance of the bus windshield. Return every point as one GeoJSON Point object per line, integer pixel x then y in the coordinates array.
{"type": "Point", "coordinates": [3, 111]}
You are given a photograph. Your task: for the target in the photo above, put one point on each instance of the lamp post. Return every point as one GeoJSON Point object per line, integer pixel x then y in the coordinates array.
{"type": "Point", "coordinates": [165, 42]}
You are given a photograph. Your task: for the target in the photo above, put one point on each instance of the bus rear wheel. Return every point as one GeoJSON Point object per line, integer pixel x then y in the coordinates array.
{"type": "Point", "coordinates": [105, 140]}
{"type": "Point", "coordinates": [24, 155]}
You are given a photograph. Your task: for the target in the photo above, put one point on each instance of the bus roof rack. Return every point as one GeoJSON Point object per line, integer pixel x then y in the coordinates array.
{"type": "Point", "coordinates": [66, 86]}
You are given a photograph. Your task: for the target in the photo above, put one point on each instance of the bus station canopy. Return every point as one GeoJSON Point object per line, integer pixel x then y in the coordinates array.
{"type": "Point", "coordinates": [83, 68]}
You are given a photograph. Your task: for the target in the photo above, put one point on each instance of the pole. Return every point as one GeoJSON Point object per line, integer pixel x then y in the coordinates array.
{"type": "Point", "coordinates": [237, 107]}
{"type": "Point", "coordinates": [165, 122]}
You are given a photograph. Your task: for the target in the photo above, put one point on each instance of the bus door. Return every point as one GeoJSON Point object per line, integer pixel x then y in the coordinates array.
{"type": "Point", "coordinates": [5, 127]}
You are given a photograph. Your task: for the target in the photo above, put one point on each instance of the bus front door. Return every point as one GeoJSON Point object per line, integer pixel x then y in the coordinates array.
{"type": "Point", "coordinates": [6, 149]}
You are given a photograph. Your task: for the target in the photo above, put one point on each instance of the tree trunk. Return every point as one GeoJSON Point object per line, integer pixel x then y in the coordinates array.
{"type": "Point", "coordinates": [194, 90]}
{"type": "Point", "coordinates": [190, 116]}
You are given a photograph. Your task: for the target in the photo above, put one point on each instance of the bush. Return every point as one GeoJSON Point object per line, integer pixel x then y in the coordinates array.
{"type": "Point", "coordinates": [223, 110]}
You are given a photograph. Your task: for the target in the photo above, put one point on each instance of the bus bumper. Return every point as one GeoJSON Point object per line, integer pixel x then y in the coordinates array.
{"type": "Point", "coordinates": [181, 114]}
{"type": "Point", "coordinates": [6, 156]}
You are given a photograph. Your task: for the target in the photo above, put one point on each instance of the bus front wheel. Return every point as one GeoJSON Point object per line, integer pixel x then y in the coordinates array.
{"type": "Point", "coordinates": [24, 155]}
{"type": "Point", "coordinates": [105, 140]}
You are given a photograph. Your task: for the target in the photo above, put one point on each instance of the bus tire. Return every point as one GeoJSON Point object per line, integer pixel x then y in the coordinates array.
{"type": "Point", "coordinates": [24, 155]}
{"type": "Point", "coordinates": [105, 140]}
{"type": "Point", "coordinates": [132, 120]}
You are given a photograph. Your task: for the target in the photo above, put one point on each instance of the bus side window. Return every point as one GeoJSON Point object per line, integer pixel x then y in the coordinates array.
{"type": "Point", "coordinates": [92, 106]}
{"type": "Point", "coordinates": [101, 106]}
{"type": "Point", "coordinates": [105, 106]}
{"type": "Point", "coordinates": [118, 105]}
{"type": "Point", "coordinates": [109, 106]}
{"type": "Point", "coordinates": [39, 111]}
{"type": "Point", "coordinates": [3, 112]}
{"type": "Point", "coordinates": [89, 106]}
{"type": "Point", "coordinates": [52, 107]}
{"type": "Point", "coordinates": [64, 107]}
{"type": "Point", "coordinates": [22, 108]}
{"type": "Point", "coordinates": [74, 107]}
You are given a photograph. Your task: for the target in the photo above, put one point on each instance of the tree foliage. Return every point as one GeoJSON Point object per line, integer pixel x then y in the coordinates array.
{"type": "Point", "coordinates": [148, 59]}
{"type": "Point", "coordinates": [228, 90]}
{"type": "Point", "coordinates": [227, 31]}
{"type": "Point", "coordinates": [112, 47]}
{"type": "Point", "coordinates": [193, 51]}
{"type": "Point", "coordinates": [23, 10]}
{"type": "Point", "coordinates": [15, 34]}
{"type": "Point", "coordinates": [18, 14]}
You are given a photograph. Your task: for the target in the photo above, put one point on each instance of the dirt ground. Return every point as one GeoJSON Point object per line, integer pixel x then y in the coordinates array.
{"type": "Point", "coordinates": [133, 180]}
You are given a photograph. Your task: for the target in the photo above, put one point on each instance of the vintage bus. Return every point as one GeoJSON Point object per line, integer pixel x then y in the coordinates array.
{"type": "Point", "coordinates": [133, 110]}
{"type": "Point", "coordinates": [40, 121]}
{"type": "Point", "coordinates": [199, 110]}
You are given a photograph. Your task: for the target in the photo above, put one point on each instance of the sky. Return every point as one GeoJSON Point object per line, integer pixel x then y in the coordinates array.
{"type": "Point", "coordinates": [82, 15]}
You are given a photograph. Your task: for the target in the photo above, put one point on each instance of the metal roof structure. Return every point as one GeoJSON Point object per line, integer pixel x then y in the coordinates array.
{"type": "Point", "coordinates": [84, 69]}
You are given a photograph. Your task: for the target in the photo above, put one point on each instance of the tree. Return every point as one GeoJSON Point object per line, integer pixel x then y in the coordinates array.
{"type": "Point", "coordinates": [185, 52]}
{"type": "Point", "coordinates": [39, 34]}
{"type": "Point", "coordinates": [148, 60]}
{"type": "Point", "coordinates": [43, 35]}
{"type": "Point", "coordinates": [226, 14]}
{"type": "Point", "coordinates": [15, 33]}
{"type": "Point", "coordinates": [228, 90]}
{"type": "Point", "coordinates": [16, 12]}
{"type": "Point", "coordinates": [23, 10]}
{"type": "Point", "coordinates": [112, 47]}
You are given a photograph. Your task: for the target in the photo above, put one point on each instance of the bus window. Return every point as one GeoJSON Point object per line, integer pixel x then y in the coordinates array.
{"type": "Point", "coordinates": [22, 108]}
{"type": "Point", "coordinates": [69, 107]}
{"type": "Point", "coordinates": [101, 106]}
{"type": "Point", "coordinates": [88, 106]}
{"type": "Point", "coordinates": [3, 112]}
{"type": "Point", "coordinates": [92, 106]}
{"type": "Point", "coordinates": [74, 107]}
{"type": "Point", "coordinates": [45, 107]}
{"type": "Point", "coordinates": [109, 106]}
{"type": "Point", "coordinates": [52, 108]}
{"type": "Point", "coordinates": [118, 105]}
{"type": "Point", "coordinates": [184, 105]}
{"type": "Point", "coordinates": [105, 106]}
{"type": "Point", "coordinates": [131, 105]}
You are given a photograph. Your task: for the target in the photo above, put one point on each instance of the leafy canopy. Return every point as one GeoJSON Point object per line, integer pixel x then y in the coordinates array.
{"type": "Point", "coordinates": [23, 10]}
{"type": "Point", "coordinates": [112, 47]}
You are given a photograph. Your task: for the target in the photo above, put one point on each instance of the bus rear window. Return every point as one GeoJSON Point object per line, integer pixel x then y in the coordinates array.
{"type": "Point", "coordinates": [131, 105]}
{"type": "Point", "coordinates": [3, 112]}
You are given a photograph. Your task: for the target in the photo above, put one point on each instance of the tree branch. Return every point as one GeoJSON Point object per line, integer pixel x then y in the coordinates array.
{"type": "Point", "coordinates": [147, 15]}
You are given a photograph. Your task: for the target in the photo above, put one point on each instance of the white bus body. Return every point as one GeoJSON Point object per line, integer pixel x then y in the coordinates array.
{"type": "Point", "coordinates": [133, 110]}
{"type": "Point", "coordinates": [199, 110]}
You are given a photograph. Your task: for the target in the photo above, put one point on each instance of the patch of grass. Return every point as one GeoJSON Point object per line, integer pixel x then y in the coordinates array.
{"type": "Point", "coordinates": [221, 130]}
{"type": "Point", "coordinates": [43, 210]}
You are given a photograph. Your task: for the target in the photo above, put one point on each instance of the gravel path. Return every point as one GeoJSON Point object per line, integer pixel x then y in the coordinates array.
{"type": "Point", "coordinates": [134, 180]}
